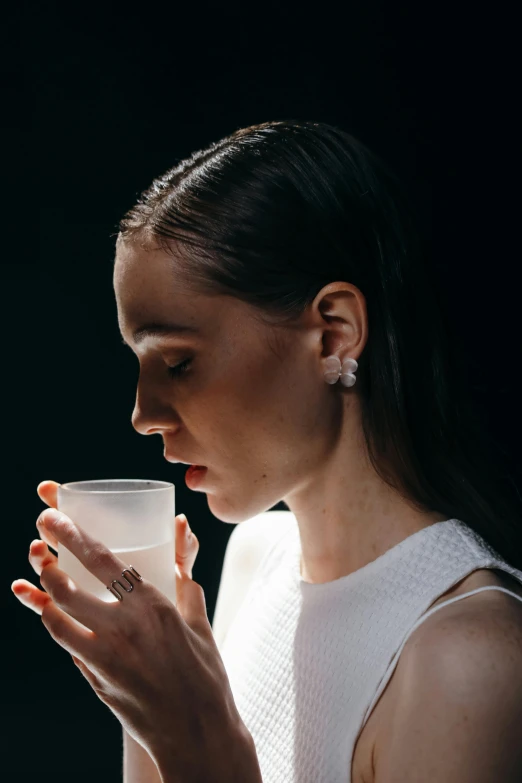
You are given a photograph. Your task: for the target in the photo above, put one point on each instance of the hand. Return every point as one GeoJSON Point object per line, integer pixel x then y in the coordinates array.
{"type": "Point", "coordinates": [187, 548]}
{"type": "Point", "coordinates": [156, 666]}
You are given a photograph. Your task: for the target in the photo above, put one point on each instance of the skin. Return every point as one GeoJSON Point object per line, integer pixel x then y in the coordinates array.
{"type": "Point", "coordinates": [150, 751]}
{"type": "Point", "coordinates": [347, 516]}
{"type": "Point", "coordinates": [254, 383]}
{"type": "Point", "coordinates": [41, 554]}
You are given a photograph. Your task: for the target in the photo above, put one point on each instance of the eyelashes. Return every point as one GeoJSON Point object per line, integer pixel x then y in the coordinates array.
{"type": "Point", "coordinates": [174, 372]}
{"type": "Point", "coordinates": [179, 369]}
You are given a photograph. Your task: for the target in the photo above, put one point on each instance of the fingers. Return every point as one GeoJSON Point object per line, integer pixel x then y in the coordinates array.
{"type": "Point", "coordinates": [40, 556]}
{"type": "Point", "coordinates": [72, 602]}
{"type": "Point", "coordinates": [48, 492]}
{"type": "Point", "coordinates": [48, 538]}
{"type": "Point", "coordinates": [85, 609]}
{"type": "Point", "coordinates": [29, 595]}
{"type": "Point", "coordinates": [187, 545]}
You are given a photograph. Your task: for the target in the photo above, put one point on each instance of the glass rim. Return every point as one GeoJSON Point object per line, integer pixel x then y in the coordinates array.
{"type": "Point", "coordinates": [158, 486]}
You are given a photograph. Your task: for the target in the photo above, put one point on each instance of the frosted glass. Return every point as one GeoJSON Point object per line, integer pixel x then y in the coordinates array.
{"type": "Point", "coordinates": [134, 518]}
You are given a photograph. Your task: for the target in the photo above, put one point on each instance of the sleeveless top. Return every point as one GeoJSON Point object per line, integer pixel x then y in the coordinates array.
{"type": "Point", "coordinates": [308, 662]}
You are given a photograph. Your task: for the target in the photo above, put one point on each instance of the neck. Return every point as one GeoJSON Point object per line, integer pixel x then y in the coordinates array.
{"type": "Point", "coordinates": [348, 516]}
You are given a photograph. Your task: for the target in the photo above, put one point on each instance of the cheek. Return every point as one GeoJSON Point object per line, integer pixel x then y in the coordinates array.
{"type": "Point", "coordinates": [264, 435]}
{"type": "Point", "coordinates": [237, 407]}
{"type": "Point", "coordinates": [255, 411]}
{"type": "Point", "coordinates": [276, 411]}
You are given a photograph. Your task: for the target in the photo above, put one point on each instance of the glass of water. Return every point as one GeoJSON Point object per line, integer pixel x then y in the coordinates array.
{"type": "Point", "coordinates": [134, 518]}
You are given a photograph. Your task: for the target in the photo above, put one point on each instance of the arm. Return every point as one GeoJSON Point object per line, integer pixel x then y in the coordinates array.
{"type": "Point", "coordinates": [459, 706]}
{"type": "Point", "coordinates": [138, 767]}
{"type": "Point", "coordinates": [234, 760]}
{"type": "Point", "coordinates": [246, 547]}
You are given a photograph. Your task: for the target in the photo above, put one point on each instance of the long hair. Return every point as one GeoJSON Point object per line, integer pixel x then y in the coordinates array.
{"type": "Point", "coordinates": [272, 213]}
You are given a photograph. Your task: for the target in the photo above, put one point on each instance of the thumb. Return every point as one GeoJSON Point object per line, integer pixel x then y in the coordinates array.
{"type": "Point", "coordinates": [187, 545]}
{"type": "Point", "coordinates": [191, 603]}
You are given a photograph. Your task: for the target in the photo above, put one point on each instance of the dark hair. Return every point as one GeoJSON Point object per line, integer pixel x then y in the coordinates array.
{"type": "Point", "coordinates": [274, 212]}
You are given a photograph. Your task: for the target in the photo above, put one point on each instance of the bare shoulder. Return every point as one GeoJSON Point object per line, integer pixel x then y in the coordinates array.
{"type": "Point", "coordinates": [457, 699]}
{"type": "Point", "coordinates": [468, 634]}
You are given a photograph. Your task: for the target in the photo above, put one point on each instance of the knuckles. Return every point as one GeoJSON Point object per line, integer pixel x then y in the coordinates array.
{"type": "Point", "coordinates": [56, 585]}
{"type": "Point", "coordinates": [54, 624]}
{"type": "Point", "coordinates": [60, 592]}
{"type": "Point", "coordinates": [99, 559]}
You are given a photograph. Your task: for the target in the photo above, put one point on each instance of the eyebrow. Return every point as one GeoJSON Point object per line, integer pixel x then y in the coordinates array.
{"type": "Point", "coordinates": [158, 330]}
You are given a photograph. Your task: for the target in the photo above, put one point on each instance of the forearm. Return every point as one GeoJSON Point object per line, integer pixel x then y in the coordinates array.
{"type": "Point", "coordinates": [235, 762]}
{"type": "Point", "coordinates": [138, 766]}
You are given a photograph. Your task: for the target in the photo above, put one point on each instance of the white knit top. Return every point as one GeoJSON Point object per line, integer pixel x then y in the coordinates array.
{"type": "Point", "coordinates": [308, 662]}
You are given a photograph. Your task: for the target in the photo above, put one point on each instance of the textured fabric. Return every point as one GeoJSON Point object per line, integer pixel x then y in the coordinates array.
{"type": "Point", "coordinates": [307, 662]}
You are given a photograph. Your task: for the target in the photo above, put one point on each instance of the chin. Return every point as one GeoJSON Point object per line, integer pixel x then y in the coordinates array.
{"type": "Point", "coordinates": [234, 515]}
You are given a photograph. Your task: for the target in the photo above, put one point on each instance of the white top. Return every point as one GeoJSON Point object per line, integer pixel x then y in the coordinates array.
{"type": "Point", "coordinates": [308, 662]}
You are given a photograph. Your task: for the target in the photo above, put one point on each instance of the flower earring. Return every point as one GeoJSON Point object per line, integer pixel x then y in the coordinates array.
{"type": "Point", "coordinates": [334, 370]}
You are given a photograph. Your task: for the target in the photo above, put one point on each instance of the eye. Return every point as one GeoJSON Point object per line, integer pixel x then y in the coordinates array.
{"type": "Point", "coordinates": [179, 369]}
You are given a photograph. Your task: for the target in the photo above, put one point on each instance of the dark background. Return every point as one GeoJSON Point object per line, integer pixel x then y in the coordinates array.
{"type": "Point", "coordinates": [98, 103]}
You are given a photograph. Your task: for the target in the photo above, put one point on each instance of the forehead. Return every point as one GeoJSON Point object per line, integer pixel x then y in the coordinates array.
{"type": "Point", "coordinates": [141, 275]}
{"type": "Point", "coordinates": [149, 290]}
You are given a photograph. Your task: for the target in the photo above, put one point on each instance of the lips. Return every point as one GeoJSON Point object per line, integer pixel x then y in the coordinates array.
{"type": "Point", "coordinates": [195, 475]}
{"type": "Point", "coordinates": [175, 460]}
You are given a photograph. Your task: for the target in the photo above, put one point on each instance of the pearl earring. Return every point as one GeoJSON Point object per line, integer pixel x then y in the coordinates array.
{"type": "Point", "coordinates": [334, 370]}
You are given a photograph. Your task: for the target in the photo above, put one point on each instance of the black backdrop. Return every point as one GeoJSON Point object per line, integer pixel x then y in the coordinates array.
{"type": "Point", "coordinates": [98, 103]}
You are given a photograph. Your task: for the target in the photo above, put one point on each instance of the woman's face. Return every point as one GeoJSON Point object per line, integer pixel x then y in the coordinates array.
{"type": "Point", "coordinates": [252, 405]}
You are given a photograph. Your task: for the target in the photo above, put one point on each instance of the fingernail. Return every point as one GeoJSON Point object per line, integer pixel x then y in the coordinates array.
{"type": "Point", "coordinates": [188, 532]}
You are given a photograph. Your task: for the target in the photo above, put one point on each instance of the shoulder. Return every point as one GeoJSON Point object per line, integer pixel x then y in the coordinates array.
{"type": "Point", "coordinates": [460, 646]}
{"type": "Point", "coordinates": [457, 706]}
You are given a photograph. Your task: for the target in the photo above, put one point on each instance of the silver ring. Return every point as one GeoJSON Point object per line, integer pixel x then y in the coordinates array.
{"type": "Point", "coordinates": [114, 590]}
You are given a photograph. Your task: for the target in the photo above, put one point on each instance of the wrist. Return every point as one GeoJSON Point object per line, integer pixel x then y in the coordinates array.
{"type": "Point", "coordinates": [244, 765]}
{"type": "Point", "coordinates": [231, 759]}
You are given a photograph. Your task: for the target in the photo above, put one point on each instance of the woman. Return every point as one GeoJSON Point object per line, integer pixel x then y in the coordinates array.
{"type": "Point", "coordinates": [278, 297]}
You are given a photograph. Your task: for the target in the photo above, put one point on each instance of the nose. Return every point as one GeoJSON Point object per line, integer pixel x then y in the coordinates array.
{"type": "Point", "coordinates": [138, 420]}
{"type": "Point", "coordinates": [150, 416]}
